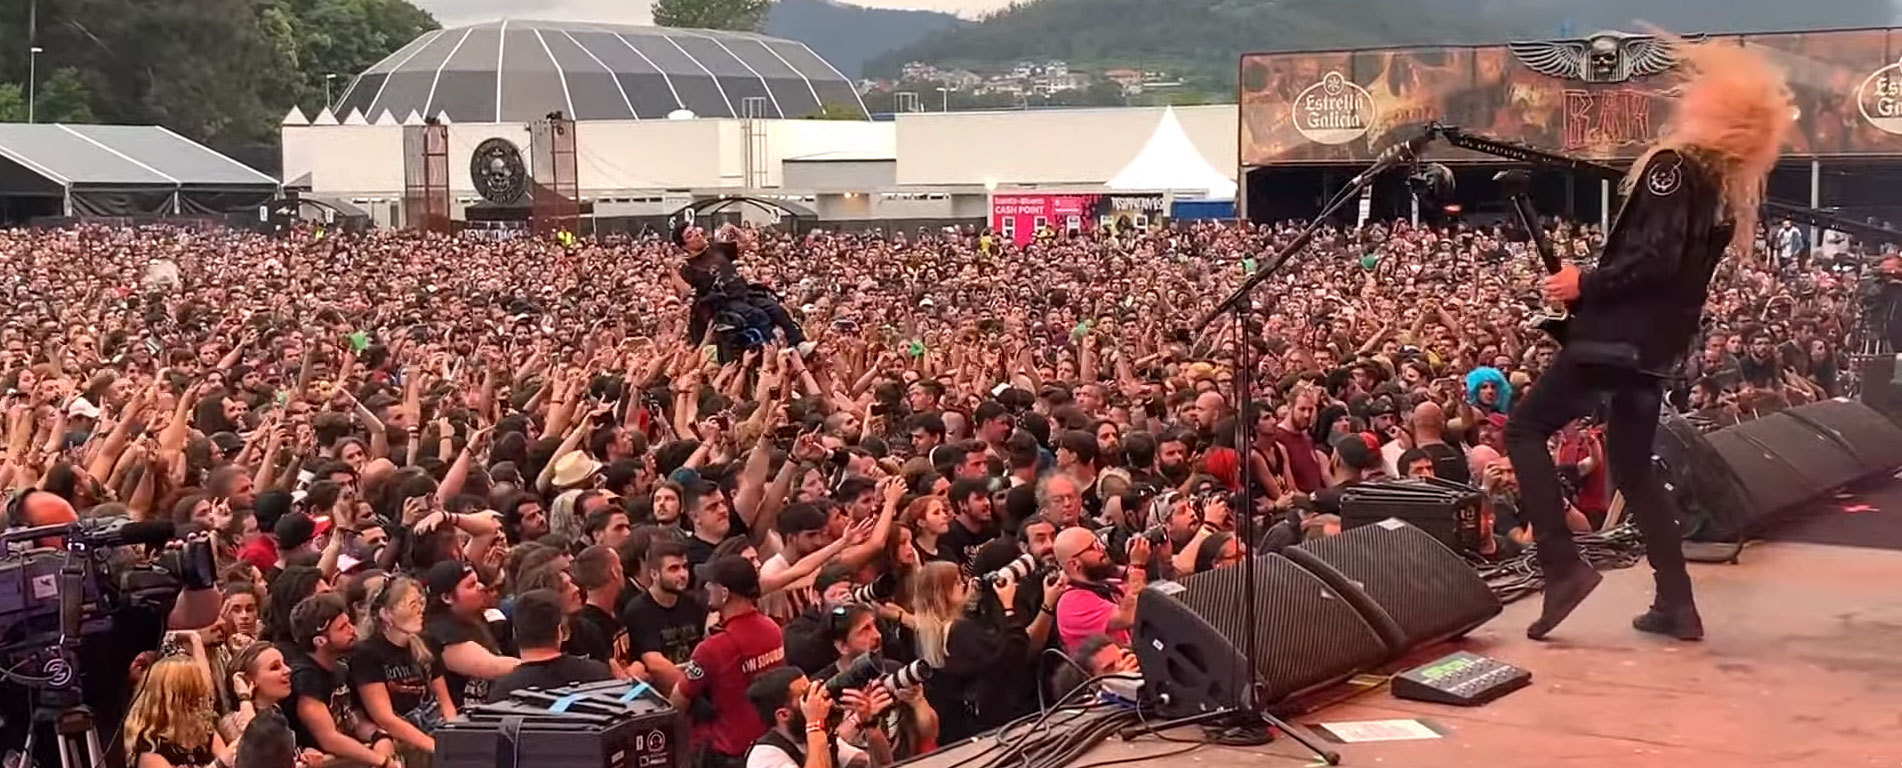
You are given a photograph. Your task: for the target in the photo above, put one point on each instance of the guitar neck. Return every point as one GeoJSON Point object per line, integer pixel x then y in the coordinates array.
{"type": "Point", "coordinates": [1529, 219]}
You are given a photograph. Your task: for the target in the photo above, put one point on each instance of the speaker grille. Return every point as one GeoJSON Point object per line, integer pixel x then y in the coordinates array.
{"type": "Point", "coordinates": [1873, 440]}
{"type": "Point", "coordinates": [1820, 460]}
{"type": "Point", "coordinates": [1306, 636]}
{"type": "Point", "coordinates": [1430, 591]}
{"type": "Point", "coordinates": [1769, 483]}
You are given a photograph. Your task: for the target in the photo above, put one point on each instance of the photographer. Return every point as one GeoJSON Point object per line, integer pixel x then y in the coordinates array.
{"type": "Point", "coordinates": [1097, 602]}
{"type": "Point", "coordinates": [911, 729]}
{"type": "Point", "coordinates": [747, 645]}
{"type": "Point", "coordinates": [799, 711]}
{"type": "Point", "coordinates": [983, 647]}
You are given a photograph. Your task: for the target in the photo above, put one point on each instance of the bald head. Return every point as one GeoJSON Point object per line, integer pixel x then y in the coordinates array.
{"type": "Point", "coordinates": [1072, 542]}
{"type": "Point", "coordinates": [43, 508]}
{"type": "Point", "coordinates": [1210, 407]}
{"type": "Point", "coordinates": [1429, 420]}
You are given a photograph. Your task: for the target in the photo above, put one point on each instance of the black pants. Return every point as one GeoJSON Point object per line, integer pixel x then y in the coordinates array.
{"type": "Point", "coordinates": [1567, 391]}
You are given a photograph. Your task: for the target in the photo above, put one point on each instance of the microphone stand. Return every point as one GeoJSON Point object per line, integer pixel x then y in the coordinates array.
{"type": "Point", "coordinates": [1250, 706]}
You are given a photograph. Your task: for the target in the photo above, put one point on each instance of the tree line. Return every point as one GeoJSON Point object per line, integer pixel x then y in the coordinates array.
{"type": "Point", "coordinates": [219, 71]}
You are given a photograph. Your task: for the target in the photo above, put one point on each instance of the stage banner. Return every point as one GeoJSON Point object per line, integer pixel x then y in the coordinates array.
{"type": "Point", "coordinates": [1602, 97]}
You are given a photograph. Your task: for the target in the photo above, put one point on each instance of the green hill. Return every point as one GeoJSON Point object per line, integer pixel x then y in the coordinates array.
{"type": "Point", "coordinates": [1199, 40]}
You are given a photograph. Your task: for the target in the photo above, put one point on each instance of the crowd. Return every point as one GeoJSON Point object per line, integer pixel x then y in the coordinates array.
{"type": "Point", "coordinates": [437, 471]}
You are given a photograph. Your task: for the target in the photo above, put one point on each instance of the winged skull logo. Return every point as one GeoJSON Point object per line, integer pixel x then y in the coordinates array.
{"type": "Point", "coordinates": [1603, 57]}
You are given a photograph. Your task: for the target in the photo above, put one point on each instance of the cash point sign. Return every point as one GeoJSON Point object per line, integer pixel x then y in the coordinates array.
{"type": "Point", "coordinates": [1603, 97]}
{"type": "Point", "coordinates": [1021, 216]}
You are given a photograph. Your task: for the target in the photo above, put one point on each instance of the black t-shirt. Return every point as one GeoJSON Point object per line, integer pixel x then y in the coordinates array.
{"type": "Point", "coordinates": [608, 628]}
{"type": "Point", "coordinates": [443, 630]}
{"type": "Point", "coordinates": [669, 631]}
{"type": "Point", "coordinates": [1448, 463]}
{"type": "Point", "coordinates": [377, 660]}
{"type": "Point", "coordinates": [549, 675]}
{"type": "Point", "coordinates": [329, 686]}
{"type": "Point", "coordinates": [1759, 373]}
{"type": "Point", "coordinates": [699, 551]}
{"type": "Point", "coordinates": [961, 544]}
{"type": "Point", "coordinates": [587, 639]}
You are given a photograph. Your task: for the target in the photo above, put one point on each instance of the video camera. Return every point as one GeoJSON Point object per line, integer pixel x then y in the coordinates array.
{"type": "Point", "coordinates": [62, 583]}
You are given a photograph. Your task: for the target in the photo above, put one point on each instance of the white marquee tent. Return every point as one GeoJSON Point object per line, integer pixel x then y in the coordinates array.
{"type": "Point", "coordinates": [1170, 162]}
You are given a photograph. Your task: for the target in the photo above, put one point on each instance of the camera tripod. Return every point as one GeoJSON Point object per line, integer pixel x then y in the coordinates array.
{"type": "Point", "coordinates": [74, 736]}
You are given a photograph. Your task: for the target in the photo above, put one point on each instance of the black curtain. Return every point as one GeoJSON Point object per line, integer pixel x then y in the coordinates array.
{"type": "Point", "coordinates": [96, 202]}
{"type": "Point", "coordinates": [216, 200]}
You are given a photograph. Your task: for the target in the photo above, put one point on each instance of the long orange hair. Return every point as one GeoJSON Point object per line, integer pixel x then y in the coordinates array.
{"type": "Point", "coordinates": [174, 706]}
{"type": "Point", "coordinates": [1734, 112]}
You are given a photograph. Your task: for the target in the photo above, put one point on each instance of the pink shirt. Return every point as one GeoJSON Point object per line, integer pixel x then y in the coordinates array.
{"type": "Point", "coordinates": [1082, 614]}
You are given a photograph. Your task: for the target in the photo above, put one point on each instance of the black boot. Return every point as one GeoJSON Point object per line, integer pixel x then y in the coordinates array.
{"type": "Point", "coordinates": [1679, 621]}
{"type": "Point", "coordinates": [1561, 596]}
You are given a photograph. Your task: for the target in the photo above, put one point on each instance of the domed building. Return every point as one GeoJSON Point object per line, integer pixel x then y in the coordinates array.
{"type": "Point", "coordinates": [518, 71]}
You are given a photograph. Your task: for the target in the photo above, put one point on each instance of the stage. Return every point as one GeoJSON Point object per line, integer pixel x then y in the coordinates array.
{"type": "Point", "coordinates": [1802, 666]}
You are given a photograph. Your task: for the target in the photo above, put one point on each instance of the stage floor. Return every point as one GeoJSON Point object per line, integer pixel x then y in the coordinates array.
{"type": "Point", "coordinates": [1802, 666]}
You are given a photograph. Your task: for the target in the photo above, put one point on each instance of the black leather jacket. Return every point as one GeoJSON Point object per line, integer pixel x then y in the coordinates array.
{"type": "Point", "coordinates": [1649, 288]}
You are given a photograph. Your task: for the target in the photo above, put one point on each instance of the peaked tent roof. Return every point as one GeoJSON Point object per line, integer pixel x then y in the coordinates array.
{"type": "Point", "coordinates": [125, 170]}
{"type": "Point", "coordinates": [1169, 161]}
{"type": "Point", "coordinates": [121, 155]}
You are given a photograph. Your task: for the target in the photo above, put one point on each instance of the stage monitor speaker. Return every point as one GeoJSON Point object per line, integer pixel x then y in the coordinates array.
{"type": "Point", "coordinates": [1699, 479]}
{"type": "Point", "coordinates": [1820, 461]}
{"type": "Point", "coordinates": [1411, 588]}
{"type": "Point", "coordinates": [1881, 390]}
{"type": "Point", "coordinates": [1874, 442]}
{"type": "Point", "coordinates": [1191, 637]}
{"type": "Point", "coordinates": [1766, 483]}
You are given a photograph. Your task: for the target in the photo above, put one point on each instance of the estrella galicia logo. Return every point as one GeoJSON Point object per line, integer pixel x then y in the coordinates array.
{"type": "Point", "coordinates": [498, 171]}
{"type": "Point", "coordinates": [1333, 111]}
{"type": "Point", "coordinates": [1880, 98]}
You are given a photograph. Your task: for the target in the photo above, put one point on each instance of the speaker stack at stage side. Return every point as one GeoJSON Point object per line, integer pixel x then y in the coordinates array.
{"type": "Point", "coordinates": [1413, 589]}
{"type": "Point", "coordinates": [1737, 479]}
{"type": "Point", "coordinates": [1192, 641]}
{"type": "Point", "coordinates": [1329, 609]}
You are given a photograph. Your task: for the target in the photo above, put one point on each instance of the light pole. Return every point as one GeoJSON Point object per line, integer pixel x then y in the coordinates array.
{"type": "Point", "coordinates": [32, 79]}
{"type": "Point", "coordinates": [328, 76]}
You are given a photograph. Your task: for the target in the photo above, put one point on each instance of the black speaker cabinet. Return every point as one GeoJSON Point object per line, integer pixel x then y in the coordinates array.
{"type": "Point", "coordinates": [1411, 588]}
{"type": "Point", "coordinates": [1191, 637]}
{"type": "Point", "coordinates": [1874, 442]}
{"type": "Point", "coordinates": [1770, 464]}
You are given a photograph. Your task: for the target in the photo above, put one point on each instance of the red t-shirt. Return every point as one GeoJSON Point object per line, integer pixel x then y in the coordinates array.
{"type": "Point", "coordinates": [726, 663]}
{"type": "Point", "coordinates": [261, 552]}
{"type": "Point", "coordinates": [1301, 461]}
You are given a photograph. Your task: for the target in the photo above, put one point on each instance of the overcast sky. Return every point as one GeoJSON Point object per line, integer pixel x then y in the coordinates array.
{"type": "Point", "coordinates": [454, 12]}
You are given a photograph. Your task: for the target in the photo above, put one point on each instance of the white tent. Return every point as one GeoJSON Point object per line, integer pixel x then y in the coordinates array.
{"type": "Point", "coordinates": [1169, 161]}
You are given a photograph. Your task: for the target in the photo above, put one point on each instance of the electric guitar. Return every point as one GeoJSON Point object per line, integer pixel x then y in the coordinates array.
{"type": "Point", "coordinates": [1552, 321]}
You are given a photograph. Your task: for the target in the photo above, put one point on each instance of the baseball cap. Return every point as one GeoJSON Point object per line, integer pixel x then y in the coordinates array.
{"type": "Point", "coordinates": [443, 577]}
{"type": "Point", "coordinates": [732, 572]}
{"type": "Point", "coordinates": [1355, 452]}
{"type": "Point", "coordinates": [294, 530]}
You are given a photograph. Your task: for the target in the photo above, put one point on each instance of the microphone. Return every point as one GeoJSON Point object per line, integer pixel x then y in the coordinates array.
{"type": "Point", "coordinates": [121, 532]}
{"type": "Point", "coordinates": [1402, 152]}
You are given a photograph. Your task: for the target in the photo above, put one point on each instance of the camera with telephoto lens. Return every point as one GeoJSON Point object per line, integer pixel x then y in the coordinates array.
{"type": "Point", "coordinates": [1016, 571]}
{"type": "Point", "coordinates": [869, 669]}
{"type": "Point", "coordinates": [881, 590]}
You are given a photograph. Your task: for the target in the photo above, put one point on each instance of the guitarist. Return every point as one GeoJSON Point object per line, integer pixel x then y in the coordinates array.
{"type": "Point", "coordinates": [1688, 197]}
